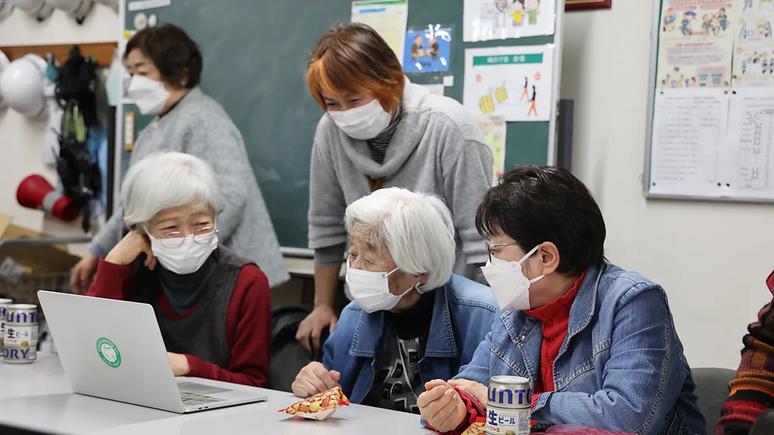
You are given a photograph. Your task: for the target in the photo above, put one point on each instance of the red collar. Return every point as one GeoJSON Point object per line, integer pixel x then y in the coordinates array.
{"type": "Point", "coordinates": [558, 308]}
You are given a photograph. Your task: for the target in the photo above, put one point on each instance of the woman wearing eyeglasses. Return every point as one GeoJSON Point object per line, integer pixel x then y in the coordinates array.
{"type": "Point", "coordinates": [213, 307]}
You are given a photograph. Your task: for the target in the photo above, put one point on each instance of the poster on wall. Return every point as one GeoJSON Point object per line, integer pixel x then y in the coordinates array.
{"type": "Point", "coordinates": [484, 20]}
{"type": "Point", "coordinates": [696, 44]}
{"type": "Point", "coordinates": [427, 50]}
{"type": "Point", "coordinates": [754, 45]}
{"type": "Point", "coordinates": [493, 127]}
{"type": "Point", "coordinates": [511, 81]}
{"type": "Point", "coordinates": [387, 17]}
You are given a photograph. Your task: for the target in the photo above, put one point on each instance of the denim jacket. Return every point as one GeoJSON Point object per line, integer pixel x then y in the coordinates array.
{"type": "Point", "coordinates": [462, 315]}
{"type": "Point", "coordinates": [621, 366]}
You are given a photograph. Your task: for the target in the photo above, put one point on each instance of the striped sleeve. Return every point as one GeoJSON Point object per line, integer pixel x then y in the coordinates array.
{"type": "Point", "coordinates": [753, 389]}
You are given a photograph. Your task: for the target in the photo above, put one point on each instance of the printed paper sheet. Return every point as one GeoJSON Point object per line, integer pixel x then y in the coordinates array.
{"type": "Point", "coordinates": [750, 157]}
{"type": "Point", "coordinates": [387, 17]}
{"type": "Point", "coordinates": [754, 45]}
{"type": "Point", "coordinates": [511, 81]}
{"type": "Point", "coordinates": [688, 130]}
{"type": "Point", "coordinates": [484, 20]}
{"type": "Point", "coordinates": [696, 44]}
{"type": "Point", "coordinates": [494, 129]}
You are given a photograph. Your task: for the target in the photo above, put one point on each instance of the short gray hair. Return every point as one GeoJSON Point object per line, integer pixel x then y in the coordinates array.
{"type": "Point", "coordinates": [162, 181]}
{"type": "Point", "coordinates": [416, 228]}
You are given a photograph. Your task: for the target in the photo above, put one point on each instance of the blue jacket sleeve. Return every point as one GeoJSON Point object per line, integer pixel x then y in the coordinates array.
{"type": "Point", "coordinates": [642, 379]}
{"type": "Point", "coordinates": [478, 368]}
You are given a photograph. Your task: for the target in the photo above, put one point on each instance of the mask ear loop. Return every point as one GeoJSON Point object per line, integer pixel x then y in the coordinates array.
{"type": "Point", "coordinates": [523, 259]}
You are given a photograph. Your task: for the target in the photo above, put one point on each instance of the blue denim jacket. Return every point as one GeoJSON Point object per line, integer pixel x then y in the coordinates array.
{"type": "Point", "coordinates": [462, 315]}
{"type": "Point", "coordinates": [621, 366]}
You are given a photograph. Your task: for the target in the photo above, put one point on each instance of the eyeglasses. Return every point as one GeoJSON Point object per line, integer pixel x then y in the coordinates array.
{"type": "Point", "coordinates": [490, 251]}
{"type": "Point", "coordinates": [175, 239]}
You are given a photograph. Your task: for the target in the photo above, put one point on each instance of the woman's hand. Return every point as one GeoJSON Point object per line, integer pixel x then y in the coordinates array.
{"type": "Point", "coordinates": [479, 391]}
{"type": "Point", "coordinates": [310, 329]}
{"type": "Point", "coordinates": [441, 406]}
{"type": "Point", "coordinates": [83, 273]}
{"type": "Point", "coordinates": [128, 249]}
{"type": "Point", "coordinates": [179, 364]}
{"type": "Point", "coordinates": [313, 379]}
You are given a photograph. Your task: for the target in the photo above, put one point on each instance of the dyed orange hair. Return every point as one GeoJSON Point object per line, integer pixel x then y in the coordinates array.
{"type": "Point", "coordinates": [353, 58]}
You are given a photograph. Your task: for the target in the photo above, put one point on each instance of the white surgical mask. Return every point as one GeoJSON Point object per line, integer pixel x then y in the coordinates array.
{"type": "Point", "coordinates": [148, 95]}
{"type": "Point", "coordinates": [508, 283]}
{"type": "Point", "coordinates": [364, 122]}
{"type": "Point", "coordinates": [186, 258]}
{"type": "Point", "coordinates": [371, 290]}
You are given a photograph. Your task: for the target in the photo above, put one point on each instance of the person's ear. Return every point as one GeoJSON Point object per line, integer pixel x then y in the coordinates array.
{"type": "Point", "coordinates": [422, 278]}
{"type": "Point", "coordinates": [548, 257]}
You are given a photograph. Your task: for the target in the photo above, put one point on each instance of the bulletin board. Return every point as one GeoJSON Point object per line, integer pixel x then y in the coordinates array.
{"type": "Point", "coordinates": [255, 56]}
{"type": "Point", "coordinates": [710, 125]}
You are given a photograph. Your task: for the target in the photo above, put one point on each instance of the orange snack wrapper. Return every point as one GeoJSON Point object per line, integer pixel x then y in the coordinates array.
{"type": "Point", "coordinates": [320, 406]}
{"type": "Point", "coordinates": [477, 428]}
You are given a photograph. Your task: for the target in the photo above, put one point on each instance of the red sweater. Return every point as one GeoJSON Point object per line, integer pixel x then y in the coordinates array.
{"type": "Point", "coordinates": [248, 322]}
{"type": "Point", "coordinates": [554, 318]}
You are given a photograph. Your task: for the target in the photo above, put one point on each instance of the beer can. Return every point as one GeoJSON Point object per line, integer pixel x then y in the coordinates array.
{"type": "Point", "coordinates": [22, 314]}
{"type": "Point", "coordinates": [509, 407]}
{"type": "Point", "coordinates": [3, 305]}
{"type": "Point", "coordinates": [20, 342]}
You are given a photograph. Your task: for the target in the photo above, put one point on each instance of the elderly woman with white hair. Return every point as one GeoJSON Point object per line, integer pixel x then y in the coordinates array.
{"type": "Point", "coordinates": [411, 319]}
{"type": "Point", "coordinates": [213, 306]}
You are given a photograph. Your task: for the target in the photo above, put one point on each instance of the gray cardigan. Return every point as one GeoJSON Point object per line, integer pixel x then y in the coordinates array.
{"type": "Point", "coordinates": [437, 149]}
{"type": "Point", "coordinates": [199, 126]}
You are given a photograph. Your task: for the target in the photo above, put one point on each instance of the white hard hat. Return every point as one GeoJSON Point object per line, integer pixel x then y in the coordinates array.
{"type": "Point", "coordinates": [37, 8]}
{"type": "Point", "coordinates": [21, 85]}
{"type": "Point", "coordinates": [6, 9]}
{"type": "Point", "coordinates": [4, 62]}
{"type": "Point", "coordinates": [77, 8]}
{"type": "Point", "coordinates": [112, 3]}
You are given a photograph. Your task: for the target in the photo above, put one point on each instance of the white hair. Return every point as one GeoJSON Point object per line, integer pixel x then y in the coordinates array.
{"type": "Point", "coordinates": [162, 181]}
{"type": "Point", "coordinates": [416, 228]}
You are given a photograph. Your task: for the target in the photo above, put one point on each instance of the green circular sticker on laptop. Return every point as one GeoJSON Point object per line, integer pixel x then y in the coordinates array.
{"type": "Point", "coordinates": [108, 352]}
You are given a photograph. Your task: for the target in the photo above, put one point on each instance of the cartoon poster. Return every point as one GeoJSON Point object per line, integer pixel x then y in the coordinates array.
{"type": "Point", "coordinates": [753, 45]}
{"type": "Point", "coordinates": [515, 82]}
{"type": "Point", "coordinates": [696, 44]}
{"type": "Point", "coordinates": [494, 128]}
{"type": "Point", "coordinates": [387, 17]}
{"type": "Point", "coordinates": [427, 50]}
{"type": "Point", "coordinates": [485, 20]}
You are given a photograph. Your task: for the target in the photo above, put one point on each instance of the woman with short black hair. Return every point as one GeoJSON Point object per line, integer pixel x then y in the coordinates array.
{"type": "Point", "coordinates": [596, 342]}
{"type": "Point", "coordinates": [166, 67]}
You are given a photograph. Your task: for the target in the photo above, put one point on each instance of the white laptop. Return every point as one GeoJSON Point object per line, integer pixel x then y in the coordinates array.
{"type": "Point", "coordinates": [114, 350]}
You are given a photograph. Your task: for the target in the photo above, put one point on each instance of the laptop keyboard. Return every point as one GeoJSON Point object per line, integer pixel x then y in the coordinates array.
{"type": "Point", "coordinates": [197, 399]}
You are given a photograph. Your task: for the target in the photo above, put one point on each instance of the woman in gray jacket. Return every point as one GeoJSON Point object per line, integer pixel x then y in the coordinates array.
{"type": "Point", "coordinates": [380, 130]}
{"type": "Point", "coordinates": [166, 66]}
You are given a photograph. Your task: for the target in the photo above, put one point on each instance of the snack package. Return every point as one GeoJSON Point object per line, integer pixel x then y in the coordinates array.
{"type": "Point", "coordinates": [320, 406]}
{"type": "Point", "coordinates": [477, 428]}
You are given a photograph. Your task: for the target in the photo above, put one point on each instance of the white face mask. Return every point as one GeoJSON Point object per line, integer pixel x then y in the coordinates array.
{"type": "Point", "coordinates": [508, 283]}
{"type": "Point", "coordinates": [371, 290]}
{"type": "Point", "coordinates": [148, 95]}
{"type": "Point", "coordinates": [364, 122]}
{"type": "Point", "coordinates": [186, 258]}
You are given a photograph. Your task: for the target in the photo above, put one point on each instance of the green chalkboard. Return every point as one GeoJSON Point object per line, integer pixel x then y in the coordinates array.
{"type": "Point", "coordinates": [255, 55]}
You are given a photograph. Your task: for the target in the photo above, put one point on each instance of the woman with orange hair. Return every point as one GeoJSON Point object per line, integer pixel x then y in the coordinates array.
{"type": "Point", "coordinates": [380, 130]}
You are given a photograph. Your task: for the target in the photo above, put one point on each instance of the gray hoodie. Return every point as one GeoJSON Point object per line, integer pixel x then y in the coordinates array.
{"type": "Point", "coordinates": [437, 149]}
{"type": "Point", "coordinates": [199, 126]}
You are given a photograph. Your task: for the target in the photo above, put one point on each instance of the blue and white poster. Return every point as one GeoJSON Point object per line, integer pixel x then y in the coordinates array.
{"type": "Point", "coordinates": [427, 50]}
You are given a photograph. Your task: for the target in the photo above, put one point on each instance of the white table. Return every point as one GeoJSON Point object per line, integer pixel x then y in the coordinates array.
{"type": "Point", "coordinates": [37, 397]}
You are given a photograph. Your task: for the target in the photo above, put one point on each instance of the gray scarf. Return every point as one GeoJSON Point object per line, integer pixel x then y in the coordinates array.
{"type": "Point", "coordinates": [184, 291]}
